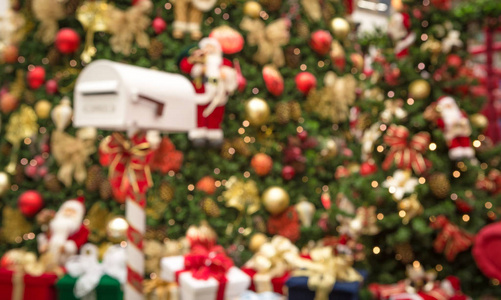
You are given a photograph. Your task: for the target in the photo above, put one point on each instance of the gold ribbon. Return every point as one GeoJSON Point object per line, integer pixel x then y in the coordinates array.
{"type": "Point", "coordinates": [324, 270]}
{"type": "Point", "coordinates": [269, 39]}
{"type": "Point", "coordinates": [71, 154]}
{"type": "Point", "coordinates": [242, 195]}
{"type": "Point", "coordinates": [157, 289]}
{"type": "Point", "coordinates": [272, 260]}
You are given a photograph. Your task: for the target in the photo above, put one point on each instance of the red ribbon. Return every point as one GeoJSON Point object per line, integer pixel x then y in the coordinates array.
{"type": "Point", "coordinates": [451, 240]}
{"type": "Point", "coordinates": [128, 161]}
{"type": "Point", "coordinates": [405, 153]}
{"type": "Point", "coordinates": [204, 262]}
{"type": "Point", "coordinates": [491, 183]}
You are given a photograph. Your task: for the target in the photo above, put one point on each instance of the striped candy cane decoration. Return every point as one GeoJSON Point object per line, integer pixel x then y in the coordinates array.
{"type": "Point", "coordinates": [130, 175]}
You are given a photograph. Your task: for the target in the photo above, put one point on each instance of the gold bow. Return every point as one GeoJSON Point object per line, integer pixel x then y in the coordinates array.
{"type": "Point", "coordinates": [155, 250]}
{"type": "Point", "coordinates": [157, 289]}
{"type": "Point", "coordinates": [333, 101]}
{"type": "Point", "coordinates": [272, 260]}
{"type": "Point", "coordinates": [71, 153]}
{"type": "Point", "coordinates": [48, 12]}
{"type": "Point", "coordinates": [324, 270]}
{"type": "Point", "coordinates": [269, 39]}
{"type": "Point", "coordinates": [242, 195]}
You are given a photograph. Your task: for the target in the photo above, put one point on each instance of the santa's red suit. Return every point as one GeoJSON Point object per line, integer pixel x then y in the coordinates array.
{"type": "Point", "coordinates": [216, 76]}
{"type": "Point", "coordinates": [456, 127]}
{"type": "Point", "coordinates": [66, 232]}
{"type": "Point", "coordinates": [399, 30]}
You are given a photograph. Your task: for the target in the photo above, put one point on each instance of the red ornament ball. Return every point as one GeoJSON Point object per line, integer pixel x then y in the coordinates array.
{"type": "Point", "coordinates": [231, 40]}
{"type": "Point", "coordinates": [288, 172]}
{"type": "Point", "coordinates": [320, 41]}
{"type": "Point", "coordinates": [454, 61]}
{"type": "Point", "coordinates": [341, 172]}
{"type": "Point", "coordinates": [36, 77]}
{"type": "Point", "coordinates": [67, 41]}
{"type": "Point", "coordinates": [159, 25]}
{"type": "Point", "coordinates": [51, 87]}
{"type": "Point", "coordinates": [262, 164]}
{"type": "Point", "coordinates": [30, 202]}
{"type": "Point", "coordinates": [207, 184]}
{"type": "Point", "coordinates": [8, 103]}
{"type": "Point", "coordinates": [10, 54]}
{"type": "Point", "coordinates": [305, 81]}
{"type": "Point", "coordinates": [368, 168]}
{"type": "Point", "coordinates": [273, 80]}
{"type": "Point", "coordinates": [463, 206]}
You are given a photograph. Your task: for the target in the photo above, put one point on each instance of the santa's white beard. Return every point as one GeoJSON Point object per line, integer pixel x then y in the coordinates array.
{"type": "Point", "coordinates": [451, 116]}
{"type": "Point", "coordinates": [213, 64]}
{"type": "Point", "coordinates": [61, 227]}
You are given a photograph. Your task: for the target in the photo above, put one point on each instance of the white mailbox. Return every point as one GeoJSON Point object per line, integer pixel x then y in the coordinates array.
{"type": "Point", "coordinates": [115, 96]}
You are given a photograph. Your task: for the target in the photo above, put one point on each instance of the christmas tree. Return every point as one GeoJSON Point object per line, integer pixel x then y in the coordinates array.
{"type": "Point", "coordinates": [372, 145]}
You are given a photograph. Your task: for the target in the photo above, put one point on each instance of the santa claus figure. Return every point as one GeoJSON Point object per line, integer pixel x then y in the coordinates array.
{"type": "Point", "coordinates": [66, 232]}
{"type": "Point", "coordinates": [214, 79]}
{"type": "Point", "coordinates": [399, 31]}
{"type": "Point", "coordinates": [455, 126]}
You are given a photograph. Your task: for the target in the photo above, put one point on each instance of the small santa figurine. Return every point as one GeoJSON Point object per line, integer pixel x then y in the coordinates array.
{"type": "Point", "coordinates": [455, 126]}
{"type": "Point", "coordinates": [66, 232]}
{"type": "Point", "coordinates": [399, 31]}
{"type": "Point", "coordinates": [214, 79]}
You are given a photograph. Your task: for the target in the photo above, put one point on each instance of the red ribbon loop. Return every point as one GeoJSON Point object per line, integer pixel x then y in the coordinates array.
{"type": "Point", "coordinates": [404, 153]}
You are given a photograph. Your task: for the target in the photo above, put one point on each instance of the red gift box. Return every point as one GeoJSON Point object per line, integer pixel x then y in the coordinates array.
{"type": "Point", "coordinates": [35, 287]}
{"type": "Point", "coordinates": [278, 283]}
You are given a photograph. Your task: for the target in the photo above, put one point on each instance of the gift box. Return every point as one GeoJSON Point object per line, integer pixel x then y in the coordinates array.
{"type": "Point", "coordinates": [107, 289]}
{"type": "Point", "coordinates": [298, 289]}
{"type": "Point", "coordinates": [15, 286]}
{"type": "Point", "coordinates": [191, 288]}
{"type": "Point", "coordinates": [277, 283]}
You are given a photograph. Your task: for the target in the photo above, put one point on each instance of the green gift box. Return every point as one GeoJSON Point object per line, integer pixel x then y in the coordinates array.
{"type": "Point", "coordinates": [108, 288]}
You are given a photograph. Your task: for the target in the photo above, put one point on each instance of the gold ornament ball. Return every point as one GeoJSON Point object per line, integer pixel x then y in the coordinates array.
{"type": "Point", "coordinates": [256, 241]}
{"type": "Point", "coordinates": [275, 200]}
{"type": "Point", "coordinates": [4, 183]}
{"type": "Point", "coordinates": [116, 229]}
{"type": "Point", "coordinates": [252, 9]}
{"type": "Point", "coordinates": [257, 111]}
{"type": "Point", "coordinates": [340, 27]}
{"type": "Point", "coordinates": [419, 89]}
{"type": "Point", "coordinates": [479, 120]}
{"type": "Point", "coordinates": [42, 109]}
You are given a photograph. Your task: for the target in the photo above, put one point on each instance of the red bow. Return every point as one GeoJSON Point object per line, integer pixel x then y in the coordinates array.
{"type": "Point", "coordinates": [128, 162]}
{"type": "Point", "coordinates": [451, 240]}
{"type": "Point", "coordinates": [204, 262]}
{"type": "Point", "coordinates": [404, 153]}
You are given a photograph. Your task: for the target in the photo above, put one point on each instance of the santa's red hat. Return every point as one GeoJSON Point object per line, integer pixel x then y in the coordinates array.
{"type": "Point", "coordinates": [451, 284]}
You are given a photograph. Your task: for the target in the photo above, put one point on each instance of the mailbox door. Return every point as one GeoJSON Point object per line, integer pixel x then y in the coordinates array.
{"type": "Point", "coordinates": [100, 99]}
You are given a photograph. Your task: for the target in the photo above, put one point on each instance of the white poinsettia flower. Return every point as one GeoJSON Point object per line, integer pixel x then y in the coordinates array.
{"type": "Point", "coordinates": [393, 109]}
{"type": "Point", "coordinates": [369, 137]}
{"type": "Point", "coordinates": [401, 183]}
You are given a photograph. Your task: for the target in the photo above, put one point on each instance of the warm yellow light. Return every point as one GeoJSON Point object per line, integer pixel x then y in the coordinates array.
{"type": "Point", "coordinates": [433, 146]}
{"type": "Point", "coordinates": [376, 250]}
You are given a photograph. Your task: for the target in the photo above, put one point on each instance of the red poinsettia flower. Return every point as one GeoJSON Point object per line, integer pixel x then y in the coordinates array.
{"type": "Point", "coordinates": [166, 158]}
{"type": "Point", "coordinates": [285, 224]}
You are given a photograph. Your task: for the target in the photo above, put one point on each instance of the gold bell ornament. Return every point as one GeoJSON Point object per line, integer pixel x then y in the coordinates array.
{"type": "Point", "coordinates": [62, 114]}
{"type": "Point", "coordinates": [306, 211]}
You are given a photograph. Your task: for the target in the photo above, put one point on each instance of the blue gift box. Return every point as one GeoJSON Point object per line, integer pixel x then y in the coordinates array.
{"type": "Point", "coordinates": [298, 289]}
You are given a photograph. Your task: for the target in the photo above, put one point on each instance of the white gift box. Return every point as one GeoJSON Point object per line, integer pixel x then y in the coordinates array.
{"type": "Point", "coordinates": [194, 289]}
{"type": "Point", "coordinates": [115, 96]}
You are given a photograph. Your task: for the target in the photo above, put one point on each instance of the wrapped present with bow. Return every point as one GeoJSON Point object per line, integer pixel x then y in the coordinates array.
{"type": "Point", "coordinates": [419, 285]}
{"type": "Point", "coordinates": [206, 272]}
{"type": "Point", "coordinates": [270, 267]}
{"type": "Point", "coordinates": [451, 239]}
{"type": "Point", "coordinates": [24, 277]}
{"type": "Point", "coordinates": [406, 152]}
{"type": "Point", "coordinates": [87, 278]}
{"type": "Point", "coordinates": [324, 276]}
